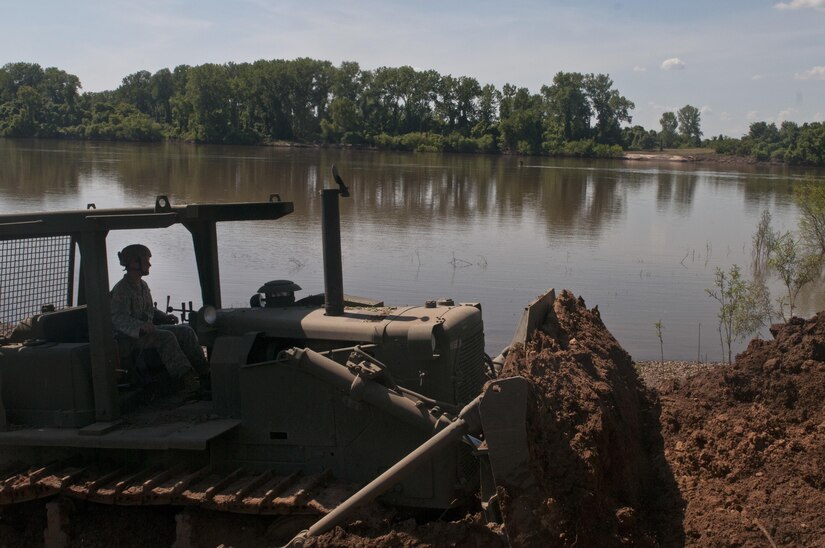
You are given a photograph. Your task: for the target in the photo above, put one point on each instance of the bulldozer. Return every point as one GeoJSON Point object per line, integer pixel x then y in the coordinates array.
{"type": "Point", "coordinates": [318, 404]}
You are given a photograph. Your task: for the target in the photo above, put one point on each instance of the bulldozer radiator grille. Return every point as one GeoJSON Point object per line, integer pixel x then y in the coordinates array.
{"type": "Point", "coordinates": [470, 381]}
{"type": "Point", "coordinates": [470, 366]}
{"type": "Point", "coordinates": [34, 272]}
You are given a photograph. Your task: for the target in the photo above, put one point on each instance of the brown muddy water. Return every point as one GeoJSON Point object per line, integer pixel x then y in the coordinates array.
{"type": "Point", "coordinates": [639, 240]}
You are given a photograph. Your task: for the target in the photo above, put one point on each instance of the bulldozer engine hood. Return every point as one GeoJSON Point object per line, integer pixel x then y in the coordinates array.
{"type": "Point", "coordinates": [363, 325]}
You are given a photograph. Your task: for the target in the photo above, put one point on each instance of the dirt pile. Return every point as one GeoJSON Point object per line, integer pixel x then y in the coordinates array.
{"type": "Point", "coordinates": [746, 443]}
{"type": "Point", "coordinates": [592, 434]}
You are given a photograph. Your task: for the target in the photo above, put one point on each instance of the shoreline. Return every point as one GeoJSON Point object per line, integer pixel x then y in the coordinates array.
{"type": "Point", "coordinates": [654, 374]}
{"type": "Point", "coordinates": [710, 157]}
{"type": "Point", "coordinates": [669, 156]}
{"type": "Point", "coordinates": [683, 156]}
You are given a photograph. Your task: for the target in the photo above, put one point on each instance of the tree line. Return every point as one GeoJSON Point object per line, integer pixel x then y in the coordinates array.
{"type": "Point", "coordinates": [789, 143]}
{"type": "Point", "coordinates": [311, 101]}
{"type": "Point", "coordinates": [314, 102]}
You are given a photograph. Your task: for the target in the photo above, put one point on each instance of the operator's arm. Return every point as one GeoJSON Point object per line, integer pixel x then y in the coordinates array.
{"type": "Point", "coordinates": [158, 317]}
{"type": "Point", "coordinates": [162, 318]}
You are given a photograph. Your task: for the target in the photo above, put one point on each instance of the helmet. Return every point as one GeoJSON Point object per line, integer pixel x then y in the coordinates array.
{"type": "Point", "coordinates": [132, 252]}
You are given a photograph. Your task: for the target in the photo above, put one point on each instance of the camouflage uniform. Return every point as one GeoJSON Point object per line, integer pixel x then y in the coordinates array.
{"type": "Point", "coordinates": [178, 347]}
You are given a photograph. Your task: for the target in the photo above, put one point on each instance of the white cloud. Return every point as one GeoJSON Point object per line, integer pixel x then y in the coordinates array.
{"type": "Point", "coordinates": [705, 109]}
{"type": "Point", "coordinates": [756, 77]}
{"type": "Point", "coordinates": [787, 114]}
{"type": "Point", "coordinates": [813, 73]}
{"type": "Point", "coordinates": [637, 68]}
{"type": "Point", "coordinates": [801, 4]}
{"type": "Point", "coordinates": [752, 115]}
{"type": "Point", "coordinates": [663, 108]}
{"type": "Point", "coordinates": [819, 117]}
{"type": "Point", "coordinates": [674, 63]}
{"type": "Point", "coordinates": [725, 116]}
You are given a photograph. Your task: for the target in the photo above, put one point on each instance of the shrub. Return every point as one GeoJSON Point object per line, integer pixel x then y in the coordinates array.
{"type": "Point", "coordinates": [795, 268]}
{"type": "Point", "coordinates": [810, 197]}
{"type": "Point", "coordinates": [744, 307]}
{"type": "Point", "coordinates": [486, 143]}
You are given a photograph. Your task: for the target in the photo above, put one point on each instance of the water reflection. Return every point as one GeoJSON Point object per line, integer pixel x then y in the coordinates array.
{"type": "Point", "coordinates": [640, 240]}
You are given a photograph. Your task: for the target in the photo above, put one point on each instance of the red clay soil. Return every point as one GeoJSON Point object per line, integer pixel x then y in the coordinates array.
{"type": "Point", "coordinates": [746, 443]}
{"type": "Point", "coordinates": [731, 457]}
{"type": "Point", "coordinates": [593, 439]}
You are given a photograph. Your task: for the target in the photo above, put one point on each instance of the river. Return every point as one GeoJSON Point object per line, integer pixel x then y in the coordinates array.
{"type": "Point", "coordinates": [639, 240]}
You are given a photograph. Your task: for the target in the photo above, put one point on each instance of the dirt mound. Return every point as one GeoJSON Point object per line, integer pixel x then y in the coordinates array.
{"type": "Point", "coordinates": [747, 442]}
{"type": "Point", "coordinates": [589, 432]}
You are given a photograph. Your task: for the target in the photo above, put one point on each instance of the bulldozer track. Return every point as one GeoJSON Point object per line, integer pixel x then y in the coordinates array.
{"type": "Point", "coordinates": [238, 491]}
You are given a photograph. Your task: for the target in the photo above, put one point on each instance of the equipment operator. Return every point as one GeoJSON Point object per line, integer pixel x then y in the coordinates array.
{"type": "Point", "coordinates": [135, 316]}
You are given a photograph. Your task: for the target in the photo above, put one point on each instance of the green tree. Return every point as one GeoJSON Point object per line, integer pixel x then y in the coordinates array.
{"type": "Point", "coordinates": [690, 125]}
{"type": "Point", "coordinates": [419, 93]}
{"type": "Point", "coordinates": [669, 124]}
{"type": "Point", "coordinates": [810, 198]}
{"type": "Point", "coordinates": [383, 101]}
{"type": "Point", "coordinates": [13, 76]}
{"type": "Point", "coordinates": [810, 145]}
{"type": "Point", "coordinates": [609, 108]}
{"type": "Point", "coordinates": [568, 108]}
{"type": "Point", "coordinates": [521, 130]}
{"type": "Point", "coordinates": [764, 242]}
{"type": "Point", "coordinates": [344, 123]}
{"type": "Point", "coordinates": [762, 131]}
{"type": "Point", "coordinates": [488, 105]}
{"type": "Point", "coordinates": [162, 88]}
{"type": "Point", "coordinates": [795, 268]}
{"type": "Point", "coordinates": [35, 102]}
{"type": "Point", "coordinates": [310, 96]}
{"type": "Point", "coordinates": [638, 138]}
{"type": "Point", "coordinates": [763, 140]}
{"type": "Point", "coordinates": [788, 132]}
{"type": "Point", "coordinates": [346, 81]}
{"type": "Point", "coordinates": [207, 91]}
{"type": "Point", "coordinates": [744, 307]}
{"type": "Point", "coordinates": [136, 89]}
{"type": "Point", "coordinates": [467, 96]}
{"type": "Point", "coordinates": [21, 117]}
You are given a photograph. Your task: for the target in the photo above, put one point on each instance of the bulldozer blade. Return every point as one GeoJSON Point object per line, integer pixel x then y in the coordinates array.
{"type": "Point", "coordinates": [503, 412]}
{"type": "Point", "coordinates": [532, 318]}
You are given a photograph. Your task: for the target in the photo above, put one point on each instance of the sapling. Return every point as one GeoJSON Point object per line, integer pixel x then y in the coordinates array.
{"type": "Point", "coordinates": [744, 307]}
{"type": "Point", "coordinates": [810, 197]}
{"type": "Point", "coordinates": [659, 328]}
{"type": "Point", "coordinates": [795, 267]}
{"type": "Point", "coordinates": [764, 241]}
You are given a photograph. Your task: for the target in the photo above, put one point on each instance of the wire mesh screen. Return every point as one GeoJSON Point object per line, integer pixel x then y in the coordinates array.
{"type": "Point", "coordinates": [34, 272]}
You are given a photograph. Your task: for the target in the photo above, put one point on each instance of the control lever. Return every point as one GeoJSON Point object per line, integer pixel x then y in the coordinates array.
{"type": "Point", "coordinates": [186, 309]}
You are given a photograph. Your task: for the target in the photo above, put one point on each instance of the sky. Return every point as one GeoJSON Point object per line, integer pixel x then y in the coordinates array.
{"type": "Point", "coordinates": [738, 61]}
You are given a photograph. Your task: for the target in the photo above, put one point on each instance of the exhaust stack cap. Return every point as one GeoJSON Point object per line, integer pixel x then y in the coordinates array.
{"type": "Point", "coordinates": [277, 293]}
